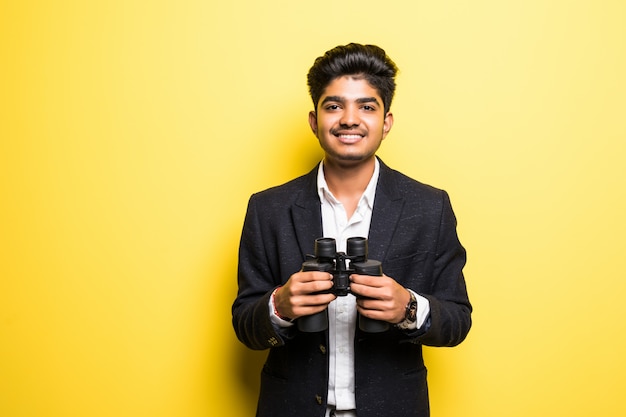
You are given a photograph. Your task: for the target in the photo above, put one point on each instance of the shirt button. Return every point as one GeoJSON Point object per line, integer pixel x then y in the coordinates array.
{"type": "Point", "coordinates": [318, 399]}
{"type": "Point", "coordinates": [323, 349]}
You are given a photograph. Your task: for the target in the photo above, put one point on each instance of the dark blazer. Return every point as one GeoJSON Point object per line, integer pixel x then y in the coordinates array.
{"type": "Point", "coordinates": [413, 234]}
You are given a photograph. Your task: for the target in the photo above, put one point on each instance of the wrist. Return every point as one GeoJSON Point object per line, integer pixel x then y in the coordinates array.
{"type": "Point", "coordinates": [276, 313]}
{"type": "Point", "coordinates": [410, 313]}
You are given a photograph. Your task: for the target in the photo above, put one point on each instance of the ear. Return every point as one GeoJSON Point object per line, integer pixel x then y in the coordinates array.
{"type": "Point", "coordinates": [313, 121]}
{"type": "Point", "coordinates": [388, 123]}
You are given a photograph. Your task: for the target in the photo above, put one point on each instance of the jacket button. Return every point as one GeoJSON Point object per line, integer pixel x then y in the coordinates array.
{"type": "Point", "coordinates": [318, 399]}
{"type": "Point", "coordinates": [323, 349]}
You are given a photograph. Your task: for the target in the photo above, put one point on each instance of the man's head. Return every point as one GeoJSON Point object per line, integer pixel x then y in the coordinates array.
{"type": "Point", "coordinates": [352, 87]}
{"type": "Point", "coordinates": [367, 61]}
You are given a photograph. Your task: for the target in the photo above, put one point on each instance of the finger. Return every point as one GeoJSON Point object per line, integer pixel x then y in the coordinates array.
{"type": "Point", "coordinates": [322, 276]}
{"type": "Point", "coordinates": [369, 280]}
{"type": "Point", "coordinates": [305, 305]}
{"type": "Point", "coordinates": [308, 310]}
{"type": "Point", "coordinates": [310, 287]}
{"type": "Point", "coordinates": [308, 276]}
{"type": "Point", "coordinates": [374, 304]}
{"type": "Point", "coordinates": [317, 299]}
{"type": "Point", "coordinates": [374, 314]}
{"type": "Point", "coordinates": [366, 291]}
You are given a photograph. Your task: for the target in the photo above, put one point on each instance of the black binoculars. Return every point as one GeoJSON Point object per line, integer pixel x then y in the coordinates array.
{"type": "Point", "coordinates": [327, 259]}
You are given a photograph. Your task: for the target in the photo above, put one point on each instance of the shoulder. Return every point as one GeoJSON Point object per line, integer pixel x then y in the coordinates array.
{"type": "Point", "coordinates": [288, 192]}
{"type": "Point", "coordinates": [398, 185]}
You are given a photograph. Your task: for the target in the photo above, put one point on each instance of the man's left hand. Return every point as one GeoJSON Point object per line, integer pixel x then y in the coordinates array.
{"type": "Point", "coordinates": [380, 298]}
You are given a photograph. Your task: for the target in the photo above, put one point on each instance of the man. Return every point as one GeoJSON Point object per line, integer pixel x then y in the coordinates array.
{"type": "Point", "coordinates": [411, 228]}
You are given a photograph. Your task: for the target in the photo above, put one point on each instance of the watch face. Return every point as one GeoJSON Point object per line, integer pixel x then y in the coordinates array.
{"type": "Point", "coordinates": [411, 311]}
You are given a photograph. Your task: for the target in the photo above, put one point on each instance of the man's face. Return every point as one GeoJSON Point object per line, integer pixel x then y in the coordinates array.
{"type": "Point", "coordinates": [350, 122]}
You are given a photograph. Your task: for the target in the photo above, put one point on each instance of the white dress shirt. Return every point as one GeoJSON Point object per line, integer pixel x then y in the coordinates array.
{"type": "Point", "coordinates": [342, 312]}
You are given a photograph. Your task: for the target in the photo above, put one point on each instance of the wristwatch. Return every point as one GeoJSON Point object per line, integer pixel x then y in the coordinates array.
{"type": "Point", "coordinates": [410, 316]}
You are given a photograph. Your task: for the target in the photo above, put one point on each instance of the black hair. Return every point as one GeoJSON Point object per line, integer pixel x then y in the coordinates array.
{"type": "Point", "coordinates": [369, 61]}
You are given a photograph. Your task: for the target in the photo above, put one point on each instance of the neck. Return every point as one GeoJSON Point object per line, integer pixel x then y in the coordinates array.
{"type": "Point", "coordinates": [348, 182]}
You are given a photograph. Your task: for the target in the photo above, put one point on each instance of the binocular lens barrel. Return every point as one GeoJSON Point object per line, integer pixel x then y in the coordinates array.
{"type": "Point", "coordinates": [325, 247]}
{"type": "Point", "coordinates": [357, 246]}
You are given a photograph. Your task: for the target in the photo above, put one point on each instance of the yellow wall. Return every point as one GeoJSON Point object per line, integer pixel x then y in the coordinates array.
{"type": "Point", "coordinates": [133, 132]}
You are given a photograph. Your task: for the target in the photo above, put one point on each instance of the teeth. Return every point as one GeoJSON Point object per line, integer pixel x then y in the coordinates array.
{"type": "Point", "coordinates": [350, 136]}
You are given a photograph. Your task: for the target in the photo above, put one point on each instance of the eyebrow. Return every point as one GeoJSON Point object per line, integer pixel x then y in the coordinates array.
{"type": "Point", "coordinates": [340, 99]}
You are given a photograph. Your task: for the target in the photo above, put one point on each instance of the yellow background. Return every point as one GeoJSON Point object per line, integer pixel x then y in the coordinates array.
{"type": "Point", "coordinates": [133, 132]}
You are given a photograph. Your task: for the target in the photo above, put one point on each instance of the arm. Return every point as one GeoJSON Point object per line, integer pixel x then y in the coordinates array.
{"type": "Point", "coordinates": [450, 308]}
{"type": "Point", "coordinates": [262, 273]}
{"type": "Point", "coordinates": [257, 278]}
{"type": "Point", "coordinates": [426, 257]}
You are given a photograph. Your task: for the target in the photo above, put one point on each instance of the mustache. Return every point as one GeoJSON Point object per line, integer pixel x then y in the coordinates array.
{"type": "Point", "coordinates": [338, 132]}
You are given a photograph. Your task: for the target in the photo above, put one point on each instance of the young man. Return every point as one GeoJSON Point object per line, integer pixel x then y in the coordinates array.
{"type": "Point", "coordinates": [411, 228]}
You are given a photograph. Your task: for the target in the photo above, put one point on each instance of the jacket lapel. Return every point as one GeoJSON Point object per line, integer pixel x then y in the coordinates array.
{"type": "Point", "coordinates": [307, 215]}
{"type": "Point", "coordinates": [388, 205]}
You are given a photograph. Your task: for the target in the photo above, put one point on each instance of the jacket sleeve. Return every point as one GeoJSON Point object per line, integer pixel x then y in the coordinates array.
{"type": "Point", "coordinates": [450, 308]}
{"type": "Point", "coordinates": [257, 278]}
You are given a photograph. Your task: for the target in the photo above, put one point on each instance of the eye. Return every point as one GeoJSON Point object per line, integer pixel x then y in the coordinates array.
{"type": "Point", "coordinates": [332, 107]}
{"type": "Point", "coordinates": [367, 107]}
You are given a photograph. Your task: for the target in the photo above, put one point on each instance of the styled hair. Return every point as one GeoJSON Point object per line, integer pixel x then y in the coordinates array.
{"type": "Point", "coordinates": [367, 61]}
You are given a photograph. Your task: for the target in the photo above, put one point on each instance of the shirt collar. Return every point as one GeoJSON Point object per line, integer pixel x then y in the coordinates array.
{"type": "Point", "coordinates": [368, 195]}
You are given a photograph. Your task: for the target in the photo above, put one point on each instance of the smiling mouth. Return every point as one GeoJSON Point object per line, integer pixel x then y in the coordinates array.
{"type": "Point", "coordinates": [348, 137]}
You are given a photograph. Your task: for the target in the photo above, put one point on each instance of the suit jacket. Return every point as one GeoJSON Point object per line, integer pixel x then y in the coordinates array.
{"type": "Point", "coordinates": [413, 234]}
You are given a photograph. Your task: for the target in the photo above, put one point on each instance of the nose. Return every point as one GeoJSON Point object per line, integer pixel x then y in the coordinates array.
{"type": "Point", "coordinates": [349, 117]}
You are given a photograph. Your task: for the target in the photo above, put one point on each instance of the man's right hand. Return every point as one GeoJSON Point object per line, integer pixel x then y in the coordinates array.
{"type": "Point", "coordinates": [300, 296]}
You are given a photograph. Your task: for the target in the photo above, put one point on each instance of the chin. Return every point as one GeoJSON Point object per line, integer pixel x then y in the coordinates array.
{"type": "Point", "coordinates": [350, 160]}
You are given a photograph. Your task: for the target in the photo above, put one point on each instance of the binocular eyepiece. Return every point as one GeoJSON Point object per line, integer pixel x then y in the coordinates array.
{"type": "Point", "coordinates": [341, 265]}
